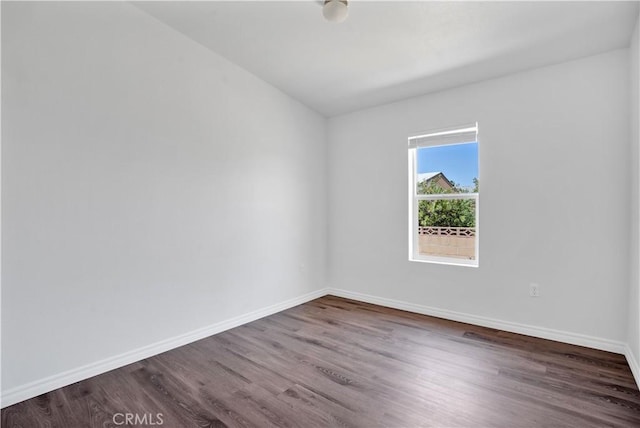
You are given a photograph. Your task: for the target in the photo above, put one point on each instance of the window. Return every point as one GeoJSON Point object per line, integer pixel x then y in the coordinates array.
{"type": "Point", "coordinates": [444, 196]}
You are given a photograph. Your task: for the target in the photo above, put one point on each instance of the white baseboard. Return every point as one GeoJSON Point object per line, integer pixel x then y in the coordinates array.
{"type": "Point", "coordinates": [633, 364]}
{"type": "Point", "coordinates": [529, 330]}
{"type": "Point", "coordinates": [33, 389]}
{"type": "Point", "coordinates": [41, 386]}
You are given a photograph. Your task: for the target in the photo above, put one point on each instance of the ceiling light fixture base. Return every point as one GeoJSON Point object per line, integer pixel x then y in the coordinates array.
{"type": "Point", "coordinates": [335, 10]}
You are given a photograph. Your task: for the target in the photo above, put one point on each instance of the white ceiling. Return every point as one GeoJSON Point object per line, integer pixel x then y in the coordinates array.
{"type": "Point", "coordinates": [386, 51]}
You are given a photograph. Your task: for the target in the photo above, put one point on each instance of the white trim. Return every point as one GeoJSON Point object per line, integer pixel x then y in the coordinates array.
{"type": "Point", "coordinates": [33, 389]}
{"type": "Point", "coordinates": [41, 386]}
{"type": "Point", "coordinates": [445, 136]}
{"type": "Point", "coordinates": [413, 207]}
{"type": "Point", "coordinates": [529, 330]}
{"type": "Point", "coordinates": [439, 196]}
{"type": "Point", "coordinates": [449, 261]}
{"type": "Point", "coordinates": [633, 364]}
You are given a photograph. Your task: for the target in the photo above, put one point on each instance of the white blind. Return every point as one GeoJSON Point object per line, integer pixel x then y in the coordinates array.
{"type": "Point", "coordinates": [453, 135]}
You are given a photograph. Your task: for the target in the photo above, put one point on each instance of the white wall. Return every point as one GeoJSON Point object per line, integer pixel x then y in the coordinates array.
{"type": "Point", "coordinates": [150, 187]}
{"type": "Point", "coordinates": [554, 204]}
{"type": "Point", "coordinates": [634, 262]}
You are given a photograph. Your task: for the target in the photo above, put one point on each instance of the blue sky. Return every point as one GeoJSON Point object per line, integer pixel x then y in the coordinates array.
{"type": "Point", "coordinates": [458, 162]}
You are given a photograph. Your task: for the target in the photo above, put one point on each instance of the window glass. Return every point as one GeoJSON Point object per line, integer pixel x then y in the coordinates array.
{"type": "Point", "coordinates": [445, 194]}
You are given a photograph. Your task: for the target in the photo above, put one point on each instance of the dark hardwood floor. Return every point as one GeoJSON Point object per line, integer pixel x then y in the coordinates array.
{"type": "Point", "coordinates": [340, 363]}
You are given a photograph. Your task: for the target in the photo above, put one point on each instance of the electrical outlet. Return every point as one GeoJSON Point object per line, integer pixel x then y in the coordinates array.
{"type": "Point", "coordinates": [534, 290]}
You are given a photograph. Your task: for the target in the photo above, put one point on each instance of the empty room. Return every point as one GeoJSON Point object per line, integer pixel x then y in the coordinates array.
{"type": "Point", "coordinates": [320, 214]}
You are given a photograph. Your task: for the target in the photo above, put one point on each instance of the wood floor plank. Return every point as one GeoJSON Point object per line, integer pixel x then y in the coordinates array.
{"type": "Point", "coordinates": [341, 363]}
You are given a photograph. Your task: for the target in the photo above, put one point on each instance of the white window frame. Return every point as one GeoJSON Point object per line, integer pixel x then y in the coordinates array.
{"type": "Point", "coordinates": [446, 136]}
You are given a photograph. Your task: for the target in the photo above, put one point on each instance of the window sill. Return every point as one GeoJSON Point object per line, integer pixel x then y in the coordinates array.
{"type": "Point", "coordinates": [445, 261]}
